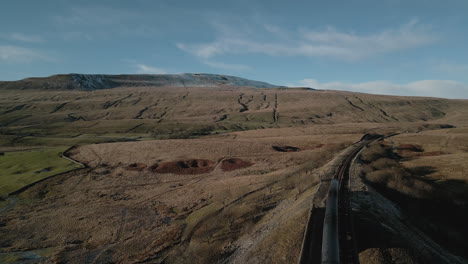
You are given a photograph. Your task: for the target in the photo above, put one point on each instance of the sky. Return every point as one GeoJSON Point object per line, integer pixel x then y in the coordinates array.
{"type": "Point", "coordinates": [386, 47]}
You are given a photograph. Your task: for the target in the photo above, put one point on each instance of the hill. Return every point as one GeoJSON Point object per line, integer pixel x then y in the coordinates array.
{"type": "Point", "coordinates": [32, 117]}
{"type": "Point", "coordinates": [89, 82]}
{"type": "Point", "coordinates": [218, 173]}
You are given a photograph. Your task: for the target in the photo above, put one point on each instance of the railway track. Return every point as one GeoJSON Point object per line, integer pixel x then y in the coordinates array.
{"type": "Point", "coordinates": [329, 236]}
{"type": "Point", "coordinates": [347, 243]}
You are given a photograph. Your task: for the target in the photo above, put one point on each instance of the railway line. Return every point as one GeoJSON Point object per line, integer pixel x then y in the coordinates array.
{"type": "Point", "coordinates": [329, 237]}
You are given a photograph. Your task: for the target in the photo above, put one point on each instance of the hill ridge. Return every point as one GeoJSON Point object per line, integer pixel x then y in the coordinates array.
{"type": "Point", "coordinates": [89, 82]}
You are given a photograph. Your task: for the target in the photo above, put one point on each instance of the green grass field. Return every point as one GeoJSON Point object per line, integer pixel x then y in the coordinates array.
{"type": "Point", "coordinates": [25, 167]}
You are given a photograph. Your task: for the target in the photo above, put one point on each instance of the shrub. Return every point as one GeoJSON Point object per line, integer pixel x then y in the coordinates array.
{"type": "Point", "coordinates": [400, 180]}
{"type": "Point", "coordinates": [383, 163]}
{"type": "Point", "coordinates": [379, 177]}
{"type": "Point", "coordinates": [375, 152]}
{"type": "Point", "coordinates": [388, 173]}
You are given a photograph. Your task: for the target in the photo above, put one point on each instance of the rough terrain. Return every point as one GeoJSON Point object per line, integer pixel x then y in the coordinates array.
{"type": "Point", "coordinates": [210, 174]}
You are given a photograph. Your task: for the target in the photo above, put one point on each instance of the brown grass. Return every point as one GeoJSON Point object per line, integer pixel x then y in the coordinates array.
{"type": "Point", "coordinates": [145, 218]}
{"type": "Point", "coordinates": [123, 114]}
{"type": "Point", "coordinates": [375, 152]}
{"type": "Point", "coordinates": [385, 171]}
{"type": "Point", "coordinates": [399, 179]}
{"type": "Point", "coordinates": [430, 186]}
{"type": "Point", "coordinates": [159, 204]}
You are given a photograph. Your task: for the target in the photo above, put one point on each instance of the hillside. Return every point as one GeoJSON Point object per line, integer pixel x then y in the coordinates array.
{"type": "Point", "coordinates": [89, 82]}
{"type": "Point", "coordinates": [212, 174]}
{"type": "Point", "coordinates": [32, 117]}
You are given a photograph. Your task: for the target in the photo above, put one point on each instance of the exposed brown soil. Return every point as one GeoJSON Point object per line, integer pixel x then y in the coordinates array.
{"type": "Point", "coordinates": [407, 153]}
{"type": "Point", "coordinates": [411, 154]}
{"type": "Point", "coordinates": [410, 147]}
{"type": "Point", "coordinates": [432, 153]}
{"type": "Point", "coordinates": [285, 148]}
{"type": "Point", "coordinates": [234, 164]}
{"type": "Point", "coordinates": [136, 167]}
{"type": "Point", "coordinates": [191, 166]}
{"type": "Point", "coordinates": [153, 168]}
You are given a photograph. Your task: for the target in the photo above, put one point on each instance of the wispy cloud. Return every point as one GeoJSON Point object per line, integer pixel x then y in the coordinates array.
{"type": "Point", "coordinates": [94, 22]}
{"type": "Point", "coordinates": [95, 16]}
{"type": "Point", "coordinates": [227, 66]}
{"type": "Point", "coordinates": [20, 55]}
{"type": "Point", "coordinates": [433, 88]}
{"type": "Point", "coordinates": [145, 69]}
{"type": "Point", "coordinates": [329, 42]}
{"type": "Point", "coordinates": [23, 37]}
{"type": "Point", "coordinates": [453, 68]}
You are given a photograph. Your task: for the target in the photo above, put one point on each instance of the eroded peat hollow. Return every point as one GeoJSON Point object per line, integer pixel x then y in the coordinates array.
{"type": "Point", "coordinates": [219, 169]}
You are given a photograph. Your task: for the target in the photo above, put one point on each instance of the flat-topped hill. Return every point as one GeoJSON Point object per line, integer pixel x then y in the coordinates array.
{"type": "Point", "coordinates": [89, 82]}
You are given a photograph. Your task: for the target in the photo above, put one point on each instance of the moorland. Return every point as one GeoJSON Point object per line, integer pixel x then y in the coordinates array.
{"type": "Point", "coordinates": [214, 169]}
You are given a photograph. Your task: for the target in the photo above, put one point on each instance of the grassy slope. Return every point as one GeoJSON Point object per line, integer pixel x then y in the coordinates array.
{"type": "Point", "coordinates": [51, 117]}
{"type": "Point", "coordinates": [25, 167]}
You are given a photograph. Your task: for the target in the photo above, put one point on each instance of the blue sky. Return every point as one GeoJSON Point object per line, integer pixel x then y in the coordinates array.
{"type": "Point", "coordinates": [387, 46]}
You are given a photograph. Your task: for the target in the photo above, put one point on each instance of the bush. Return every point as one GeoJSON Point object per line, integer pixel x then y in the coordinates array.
{"type": "Point", "coordinates": [400, 180]}
{"type": "Point", "coordinates": [384, 163]}
{"type": "Point", "coordinates": [379, 177]}
{"type": "Point", "coordinates": [375, 152]}
{"type": "Point", "coordinates": [385, 175]}
{"type": "Point", "coordinates": [390, 174]}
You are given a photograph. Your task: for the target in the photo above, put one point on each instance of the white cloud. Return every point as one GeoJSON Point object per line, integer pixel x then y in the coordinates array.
{"type": "Point", "coordinates": [145, 69]}
{"type": "Point", "coordinates": [20, 54]}
{"type": "Point", "coordinates": [227, 66]}
{"type": "Point", "coordinates": [311, 43]}
{"type": "Point", "coordinates": [433, 88]}
{"type": "Point", "coordinates": [23, 37]}
{"type": "Point", "coordinates": [203, 50]}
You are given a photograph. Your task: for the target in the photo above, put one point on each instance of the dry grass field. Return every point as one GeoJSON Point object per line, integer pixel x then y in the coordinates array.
{"type": "Point", "coordinates": [199, 175]}
{"type": "Point", "coordinates": [112, 211]}
{"type": "Point", "coordinates": [31, 117]}
{"type": "Point", "coordinates": [424, 174]}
